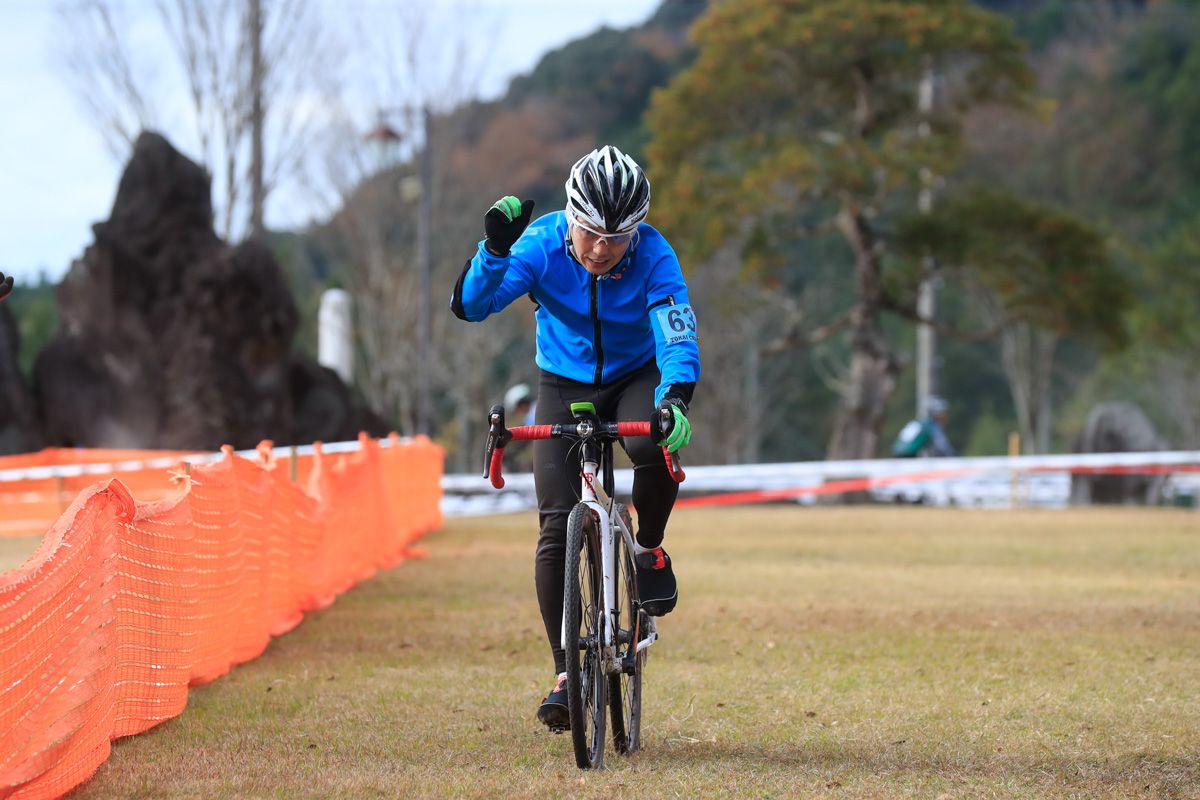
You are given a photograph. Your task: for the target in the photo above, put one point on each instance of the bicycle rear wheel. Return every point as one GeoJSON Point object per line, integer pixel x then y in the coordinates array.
{"type": "Point", "coordinates": [587, 685]}
{"type": "Point", "coordinates": [625, 689]}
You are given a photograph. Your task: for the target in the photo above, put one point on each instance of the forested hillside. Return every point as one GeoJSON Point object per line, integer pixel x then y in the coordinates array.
{"type": "Point", "coordinates": [1105, 144]}
{"type": "Point", "coordinates": [1065, 222]}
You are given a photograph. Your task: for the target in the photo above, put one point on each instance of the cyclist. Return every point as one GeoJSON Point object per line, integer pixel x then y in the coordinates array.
{"type": "Point", "coordinates": [614, 328]}
{"type": "Point", "coordinates": [6, 285]}
{"type": "Point", "coordinates": [926, 436]}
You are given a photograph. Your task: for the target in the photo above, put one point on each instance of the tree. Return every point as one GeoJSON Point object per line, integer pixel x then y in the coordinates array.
{"type": "Point", "coordinates": [1109, 151]}
{"type": "Point", "coordinates": [1037, 274]}
{"type": "Point", "coordinates": [809, 108]}
{"type": "Point", "coordinates": [1160, 65]}
{"type": "Point", "coordinates": [414, 58]}
{"type": "Point", "coordinates": [1108, 154]}
{"type": "Point", "coordinates": [250, 68]}
{"type": "Point", "coordinates": [1166, 332]}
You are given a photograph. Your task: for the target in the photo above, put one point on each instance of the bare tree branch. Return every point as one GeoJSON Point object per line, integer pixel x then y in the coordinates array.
{"type": "Point", "coordinates": [835, 379]}
{"type": "Point", "coordinates": [212, 43]}
{"type": "Point", "coordinates": [794, 339]}
{"type": "Point", "coordinates": [103, 76]}
{"type": "Point", "coordinates": [909, 312]}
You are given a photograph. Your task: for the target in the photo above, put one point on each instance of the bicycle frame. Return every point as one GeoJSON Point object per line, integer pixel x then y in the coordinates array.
{"type": "Point", "coordinates": [612, 649]}
{"type": "Point", "coordinates": [596, 440]}
{"type": "Point", "coordinates": [593, 494]}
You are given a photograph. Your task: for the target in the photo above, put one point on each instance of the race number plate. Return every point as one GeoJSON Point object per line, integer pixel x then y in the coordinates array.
{"type": "Point", "coordinates": [676, 323]}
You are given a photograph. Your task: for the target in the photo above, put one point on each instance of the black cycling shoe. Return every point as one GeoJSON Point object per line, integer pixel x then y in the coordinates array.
{"type": "Point", "coordinates": [656, 582]}
{"type": "Point", "coordinates": [553, 712]}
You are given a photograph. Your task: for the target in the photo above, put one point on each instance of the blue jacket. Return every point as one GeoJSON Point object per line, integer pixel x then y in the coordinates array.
{"type": "Point", "coordinates": [592, 329]}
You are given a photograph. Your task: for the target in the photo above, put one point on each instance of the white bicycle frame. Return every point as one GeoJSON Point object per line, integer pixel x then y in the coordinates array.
{"type": "Point", "coordinates": [594, 496]}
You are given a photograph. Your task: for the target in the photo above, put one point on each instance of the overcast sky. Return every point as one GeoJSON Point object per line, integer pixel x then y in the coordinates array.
{"type": "Point", "coordinates": [57, 178]}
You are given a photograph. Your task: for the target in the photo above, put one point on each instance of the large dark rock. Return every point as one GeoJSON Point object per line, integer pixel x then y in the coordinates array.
{"type": "Point", "coordinates": [1118, 428]}
{"type": "Point", "coordinates": [171, 338]}
{"type": "Point", "coordinates": [19, 431]}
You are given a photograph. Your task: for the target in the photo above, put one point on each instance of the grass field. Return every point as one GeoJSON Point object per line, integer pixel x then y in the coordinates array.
{"type": "Point", "coordinates": [816, 652]}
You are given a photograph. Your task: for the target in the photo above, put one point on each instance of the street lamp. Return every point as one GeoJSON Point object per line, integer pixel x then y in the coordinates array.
{"type": "Point", "coordinates": [384, 144]}
{"type": "Point", "coordinates": [387, 140]}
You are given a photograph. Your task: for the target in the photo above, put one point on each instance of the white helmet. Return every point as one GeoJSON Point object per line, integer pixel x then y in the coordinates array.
{"type": "Point", "coordinates": [608, 191]}
{"type": "Point", "coordinates": [517, 394]}
{"type": "Point", "coordinates": [935, 406]}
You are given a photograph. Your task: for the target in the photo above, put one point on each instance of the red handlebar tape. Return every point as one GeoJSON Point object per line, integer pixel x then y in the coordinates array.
{"type": "Point", "coordinates": [528, 432]}
{"type": "Point", "coordinates": [494, 468]}
{"type": "Point", "coordinates": [525, 432]}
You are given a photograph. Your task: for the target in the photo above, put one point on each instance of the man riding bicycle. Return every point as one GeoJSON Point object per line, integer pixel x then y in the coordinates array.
{"type": "Point", "coordinates": [614, 328]}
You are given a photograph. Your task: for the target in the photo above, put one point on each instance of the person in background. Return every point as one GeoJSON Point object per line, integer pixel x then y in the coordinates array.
{"type": "Point", "coordinates": [519, 409]}
{"type": "Point", "coordinates": [926, 436]}
{"type": "Point", "coordinates": [519, 405]}
{"type": "Point", "coordinates": [6, 285]}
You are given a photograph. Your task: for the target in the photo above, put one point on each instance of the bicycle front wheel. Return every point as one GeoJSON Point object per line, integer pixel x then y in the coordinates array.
{"type": "Point", "coordinates": [587, 685]}
{"type": "Point", "coordinates": [625, 688]}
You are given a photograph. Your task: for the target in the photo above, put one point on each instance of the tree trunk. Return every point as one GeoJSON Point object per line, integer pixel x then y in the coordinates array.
{"type": "Point", "coordinates": [872, 379]}
{"type": "Point", "coordinates": [257, 113]}
{"type": "Point", "coordinates": [1028, 356]}
{"type": "Point", "coordinates": [874, 367]}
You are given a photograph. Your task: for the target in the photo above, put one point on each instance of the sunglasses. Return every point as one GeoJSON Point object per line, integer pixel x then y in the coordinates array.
{"type": "Point", "coordinates": [592, 236]}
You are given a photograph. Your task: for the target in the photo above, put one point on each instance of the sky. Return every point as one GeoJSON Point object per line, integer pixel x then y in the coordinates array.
{"type": "Point", "coordinates": [57, 178]}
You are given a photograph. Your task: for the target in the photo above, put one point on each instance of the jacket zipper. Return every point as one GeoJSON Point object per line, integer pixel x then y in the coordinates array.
{"type": "Point", "coordinates": [595, 291]}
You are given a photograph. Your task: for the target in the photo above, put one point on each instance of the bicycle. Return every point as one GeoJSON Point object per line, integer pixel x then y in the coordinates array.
{"type": "Point", "coordinates": [605, 632]}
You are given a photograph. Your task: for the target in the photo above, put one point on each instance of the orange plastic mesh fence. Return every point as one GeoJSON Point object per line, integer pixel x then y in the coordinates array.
{"type": "Point", "coordinates": [29, 506]}
{"type": "Point", "coordinates": [127, 603]}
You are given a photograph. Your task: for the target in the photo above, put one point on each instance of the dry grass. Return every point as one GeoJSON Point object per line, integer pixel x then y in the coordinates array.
{"type": "Point", "coordinates": [15, 549]}
{"type": "Point", "coordinates": [817, 652]}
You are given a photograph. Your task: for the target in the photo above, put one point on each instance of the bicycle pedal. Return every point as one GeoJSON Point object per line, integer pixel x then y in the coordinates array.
{"type": "Point", "coordinates": [558, 728]}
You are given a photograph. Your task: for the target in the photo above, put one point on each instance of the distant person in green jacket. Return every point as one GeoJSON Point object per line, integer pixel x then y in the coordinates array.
{"type": "Point", "coordinates": [926, 436]}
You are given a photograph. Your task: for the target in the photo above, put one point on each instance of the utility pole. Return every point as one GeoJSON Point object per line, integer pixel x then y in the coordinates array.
{"type": "Point", "coordinates": [927, 293]}
{"type": "Point", "coordinates": [257, 200]}
{"type": "Point", "coordinates": [387, 139]}
{"type": "Point", "coordinates": [424, 225]}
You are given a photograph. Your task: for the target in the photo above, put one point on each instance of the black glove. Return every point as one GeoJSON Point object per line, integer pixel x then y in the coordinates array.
{"type": "Point", "coordinates": [5, 285]}
{"type": "Point", "coordinates": [504, 223]}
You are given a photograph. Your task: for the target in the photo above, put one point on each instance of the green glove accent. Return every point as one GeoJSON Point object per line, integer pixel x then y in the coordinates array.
{"type": "Point", "coordinates": [509, 206]}
{"type": "Point", "coordinates": [680, 433]}
{"type": "Point", "coordinates": [504, 223]}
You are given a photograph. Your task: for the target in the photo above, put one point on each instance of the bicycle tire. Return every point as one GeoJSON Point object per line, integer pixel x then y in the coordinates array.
{"type": "Point", "coordinates": [625, 689]}
{"type": "Point", "coordinates": [587, 685]}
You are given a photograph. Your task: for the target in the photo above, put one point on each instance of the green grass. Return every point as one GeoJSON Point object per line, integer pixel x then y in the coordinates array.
{"type": "Point", "coordinates": [816, 652]}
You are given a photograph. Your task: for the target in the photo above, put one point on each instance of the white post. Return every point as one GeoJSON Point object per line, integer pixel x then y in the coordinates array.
{"type": "Point", "coordinates": [927, 293]}
{"type": "Point", "coordinates": [335, 335]}
{"type": "Point", "coordinates": [424, 230]}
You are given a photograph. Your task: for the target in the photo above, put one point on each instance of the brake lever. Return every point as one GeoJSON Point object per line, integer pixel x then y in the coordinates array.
{"type": "Point", "coordinates": [673, 464]}
{"type": "Point", "coordinates": [498, 438]}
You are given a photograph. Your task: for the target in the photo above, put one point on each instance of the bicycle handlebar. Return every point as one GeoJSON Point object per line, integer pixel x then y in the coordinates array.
{"type": "Point", "coordinates": [499, 437]}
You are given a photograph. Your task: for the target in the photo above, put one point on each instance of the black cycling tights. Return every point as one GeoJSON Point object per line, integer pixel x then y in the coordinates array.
{"type": "Point", "coordinates": [556, 477]}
